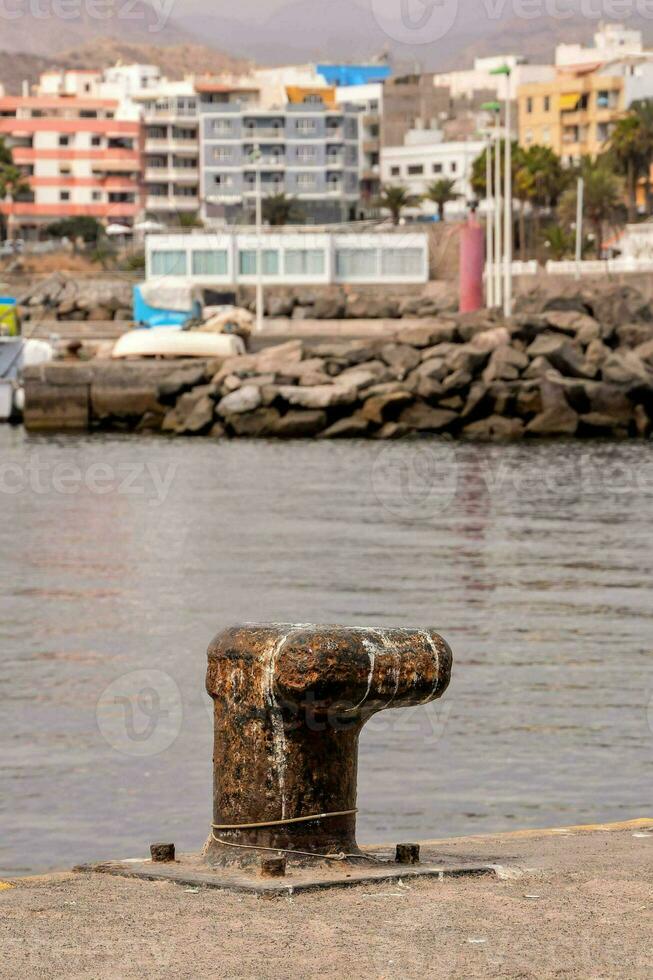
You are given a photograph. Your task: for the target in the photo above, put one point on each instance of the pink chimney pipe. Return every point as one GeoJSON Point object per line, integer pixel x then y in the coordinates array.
{"type": "Point", "coordinates": [472, 263]}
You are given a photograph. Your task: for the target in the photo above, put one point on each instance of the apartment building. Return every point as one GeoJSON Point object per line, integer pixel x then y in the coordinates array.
{"type": "Point", "coordinates": [425, 158]}
{"type": "Point", "coordinates": [574, 115]}
{"type": "Point", "coordinates": [411, 102]}
{"type": "Point", "coordinates": [481, 79]}
{"type": "Point", "coordinates": [612, 41]}
{"type": "Point", "coordinates": [78, 156]}
{"type": "Point", "coordinates": [171, 174]}
{"type": "Point", "coordinates": [309, 150]}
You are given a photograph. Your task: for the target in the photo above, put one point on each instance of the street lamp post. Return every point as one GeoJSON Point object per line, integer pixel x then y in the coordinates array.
{"type": "Point", "coordinates": [256, 160]}
{"type": "Point", "coordinates": [506, 71]}
{"type": "Point", "coordinates": [495, 247]}
{"type": "Point", "coordinates": [489, 232]}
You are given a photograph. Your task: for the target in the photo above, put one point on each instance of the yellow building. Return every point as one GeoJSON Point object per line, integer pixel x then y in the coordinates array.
{"type": "Point", "coordinates": [574, 114]}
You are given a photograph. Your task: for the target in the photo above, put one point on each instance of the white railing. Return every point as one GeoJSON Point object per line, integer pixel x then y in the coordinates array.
{"type": "Point", "coordinates": [598, 267]}
{"type": "Point", "coordinates": [518, 268]}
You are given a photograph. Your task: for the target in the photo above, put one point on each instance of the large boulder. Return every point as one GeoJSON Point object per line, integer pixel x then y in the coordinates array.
{"type": "Point", "coordinates": [351, 427]}
{"type": "Point", "coordinates": [495, 428]}
{"type": "Point", "coordinates": [562, 354]}
{"type": "Point", "coordinates": [424, 418]}
{"type": "Point", "coordinates": [506, 364]}
{"type": "Point", "coordinates": [624, 367]}
{"type": "Point", "coordinates": [385, 407]}
{"type": "Point", "coordinates": [319, 397]}
{"type": "Point", "coordinates": [299, 425]}
{"type": "Point", "coordinates": [400, 358]}
{"type": "Point", "coordinates": [194, 413]}
{"type": "Point", "coordinates": [180, 381]}
{"type": "Point", "coordinates": [561, 421]}
{"type": "Point", "coordinates": [245, 399]}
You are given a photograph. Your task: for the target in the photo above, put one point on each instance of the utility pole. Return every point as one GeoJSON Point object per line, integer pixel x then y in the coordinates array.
{"type": "Point", "coordinates": [506, 71]}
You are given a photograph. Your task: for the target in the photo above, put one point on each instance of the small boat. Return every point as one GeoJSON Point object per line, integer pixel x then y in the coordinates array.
{"type": "Point", "coordinates": [166, 342]}
{"type": "Point", "coordinates": [17, 353]}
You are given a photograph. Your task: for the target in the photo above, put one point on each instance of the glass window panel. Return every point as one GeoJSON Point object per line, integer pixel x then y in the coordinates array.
{"type": "Point", "coordinates": [402, 261]}
{"type": "Point", "coordinates": [169, 263]}
{"type": "Point", "coordinates": [353, 263]}
{"type": "Point", "coordinates": [304, 262]}
{"type": "Point", "coordinates": [210, 263]}
{"type": "Point", "coordinates": [248, 264]}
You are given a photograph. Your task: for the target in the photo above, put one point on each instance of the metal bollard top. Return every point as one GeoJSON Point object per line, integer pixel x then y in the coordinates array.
{"type": "Point", "coordinates": [343, 668]}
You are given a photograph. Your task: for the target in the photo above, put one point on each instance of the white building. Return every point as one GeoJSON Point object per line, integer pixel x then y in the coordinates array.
{"type": "Point", "coordinates": [480, 77]}
{"type": "Point", "coordinates": [427, 158]}
{"type": "Point", "coordinates": [290, 257]}
{"type": "Point", "coordinates": [611, 41]}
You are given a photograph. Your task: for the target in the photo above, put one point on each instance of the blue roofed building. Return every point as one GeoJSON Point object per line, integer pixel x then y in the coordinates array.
{"type": "Point", "coordinates": [343, 76]}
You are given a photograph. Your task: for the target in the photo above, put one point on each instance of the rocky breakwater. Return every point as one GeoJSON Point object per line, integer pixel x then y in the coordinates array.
{"type": "Point", "coordinates": [557, 373]}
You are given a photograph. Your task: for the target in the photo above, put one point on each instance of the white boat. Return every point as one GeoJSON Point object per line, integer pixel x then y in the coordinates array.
{"type": "Point", "coordinates": [17, 353]}
{"type": "Point", "coordinates": [167, 342]}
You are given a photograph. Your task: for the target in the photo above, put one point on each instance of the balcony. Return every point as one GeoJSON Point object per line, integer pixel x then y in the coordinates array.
{"type": "Point", "coordinates": [156, 175]}
{"type": "Point", "coordinates": [258, 133]}
{"type": "Point", "coordinates": [156, 202]}
{"type": "Point", "coordinates": [170, 144]}
{"type": "Point", "coordinates": [335, 161]}
{"type": "Point", "coordinates": [335, 135]}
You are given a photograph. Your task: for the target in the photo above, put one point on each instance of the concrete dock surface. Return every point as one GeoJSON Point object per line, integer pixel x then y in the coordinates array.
{"type": "Point", "coordinates": [567, 903]}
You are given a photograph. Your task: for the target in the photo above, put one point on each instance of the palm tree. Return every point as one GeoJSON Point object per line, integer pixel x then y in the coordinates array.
{"type": "Point", "coordinates": [603, 198]}
{"type": "Point", "coordinates": [278, 209]}
{"type": "Point", "coordinates": [629, 155]}
{"type": "Point", "coordinates": [643, 109]}
{"type": "Point", "coordinates": [558, 241]}
{"type": "Point", "coordinates": [395, 199]}
{"type": "Point", "coordinates": [440, 193]}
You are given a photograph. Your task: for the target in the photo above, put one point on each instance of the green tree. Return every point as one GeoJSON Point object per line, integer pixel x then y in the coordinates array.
{"type": "Point", "coordinates": [90, 230]}
{"type": "Point", "coordinates": [643, 109]}
{"type": "Point", "coordinates": [395, 199]}
{"type": "Point", "coordinates": [603, 198]}
{"type": "Point", "coordinates": [279, 209]}
{"type": "Point", "coordinates": [559, 242]}
{"type": "Point", "coordinates": [440, 193]}
{"type": "Point", "coordinates": [630, 156]}
{"type": "Point", "coordinates": [12, 181]}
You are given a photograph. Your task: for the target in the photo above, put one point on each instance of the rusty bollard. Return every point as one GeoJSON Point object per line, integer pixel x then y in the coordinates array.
{"type": "Point", "coordinates": [289, 705]}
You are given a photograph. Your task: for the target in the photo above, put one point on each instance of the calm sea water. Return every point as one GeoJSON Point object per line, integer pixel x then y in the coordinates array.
{"type": "Point", "coordinates": [121, 558]}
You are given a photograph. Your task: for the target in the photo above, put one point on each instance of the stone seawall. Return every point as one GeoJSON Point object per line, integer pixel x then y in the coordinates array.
{"type": "Point", "coordinates": [556, 373]}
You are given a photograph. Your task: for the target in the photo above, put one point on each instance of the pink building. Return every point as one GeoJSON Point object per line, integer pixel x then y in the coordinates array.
{"type": "Point", "coordinates": [77, 157]}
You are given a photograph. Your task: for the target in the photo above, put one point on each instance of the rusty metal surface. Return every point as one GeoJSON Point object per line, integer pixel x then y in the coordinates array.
{"type": "Point", "coordinates": [289, 705]}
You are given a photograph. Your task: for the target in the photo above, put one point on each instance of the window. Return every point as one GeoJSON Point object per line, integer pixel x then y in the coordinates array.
{"type": "Point", "coordinates": [402, 261]}
{"type": "Point", "coordinates": [529, 105]}
{"type": "Point", "coordinates": [547, 103]}
{"type": "Point", "coordinates": [221, 127]}
{"type": "Point", "coordinates": [528, 136]}
{"type": "Point", "coordinates": [64, 195]}
{"type": "Point", "coordinates": [209, 263]}
{"type": "Point", "coordinates": [224, 180]}
{"type": "Point", "coordinates": [304, 262]}
{"type": "Point", "coordinates": [65, 171]}
{"type": "Point", "coordinates": [415, 169]}
{"type": "Point", "coordinates": [247, 265]}
{"type": "Point", "coordinates": [306, 182]}
{"type": "Point", "coordinates": [169, 263]}
{"type": "Point", "coordinates": [96, 141]}
{"type": "Point", "coordinates": [306, 154]}
{"type": "Point", "coordinates": [222, 154]}
{"type": "Point", "coordinates": [64, 141]}
{"type": "Point", "coordinates": [356, 263]}
{"type": "Point", "coordinates": [437, 168]}
{"type": "Point", "coordinates": [454, 167]}
{"type": "Point", "coordinates": [96, 196]}
{"type": "Point", "coordinates": [546, 135]}
{"type": "Point", "coordinates": [395, 171]}
{"type": "Point", "coordinates": [306, 127]}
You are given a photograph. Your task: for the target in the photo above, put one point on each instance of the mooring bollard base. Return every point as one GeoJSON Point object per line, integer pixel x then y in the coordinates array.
{"type": "Point", "coordinates": [191, 871]}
